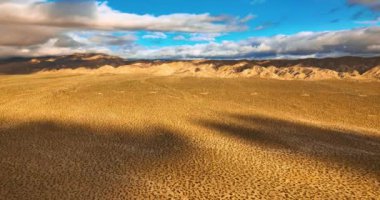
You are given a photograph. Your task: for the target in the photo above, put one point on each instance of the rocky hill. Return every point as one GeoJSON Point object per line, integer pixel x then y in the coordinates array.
{"type": "Point", "coordinates": [303, 69]}
{"type": "Point", "coordinates": [32, 65]}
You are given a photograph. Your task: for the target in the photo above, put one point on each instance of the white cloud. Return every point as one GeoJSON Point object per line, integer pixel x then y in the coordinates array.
{"type": "Point", "coordinates": [179, 37]}
{"type": "Point", "coordinates": [370, 22]}
{"type": "Point", "coordinates": [198, 37]}
{"type": "Point", "coordinates": [361, 42]}
{"type": "Point", "coordinates": [260, 27]}
{"type": "Point", "coordinates": [74, 42]}
{"type": "Point", "coordinates": [48, 48]}
{"type": "Point", "coordinates": [40, 27]}
{"type": "Point", "coordinates": [372, 4]}
{"type": "Point", "coordinates": [155, 35]}
{"type": "Point", "coordinates": [96, 15]}
{"type": "Point", "coordinates": [209, 37]}
{"type": "Point", "coordinates": [108, 39]}
{"type": "Point", "coordinates": [248, 18]}
{"type": "Point", "coordinates": [15, 35]}
{"type": "Point", "coordinates": [28, 24]}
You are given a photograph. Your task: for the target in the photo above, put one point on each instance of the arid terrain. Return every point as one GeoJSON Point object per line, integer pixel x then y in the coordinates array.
{"type": "Point", "coordinates": [73, 131]}
{"type": "Point", "coordinates": [347, 68]}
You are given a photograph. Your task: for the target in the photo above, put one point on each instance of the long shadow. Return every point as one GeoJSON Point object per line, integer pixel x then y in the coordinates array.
{"type": "Point", "coordinates": [52, 160]}
{"type": "Point", "coordinates": [346, 148]}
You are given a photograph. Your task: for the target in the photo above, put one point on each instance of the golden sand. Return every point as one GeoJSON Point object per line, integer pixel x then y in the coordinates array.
{"type": "Point", "coordinates": [116, 136]}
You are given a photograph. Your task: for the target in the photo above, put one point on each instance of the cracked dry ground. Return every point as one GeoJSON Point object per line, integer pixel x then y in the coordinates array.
{"type": "Point", "coordinates": [122, 137]}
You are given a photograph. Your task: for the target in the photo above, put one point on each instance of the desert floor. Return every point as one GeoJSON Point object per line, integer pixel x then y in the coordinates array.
{"type": "Point", "coordinates": [104, 136]}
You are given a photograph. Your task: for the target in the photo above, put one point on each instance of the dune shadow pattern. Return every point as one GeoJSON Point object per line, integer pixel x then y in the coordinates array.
{"type": "Point", "coordinates": [344, 148]}
{"type": "Point", "coordinates": [52, 160]}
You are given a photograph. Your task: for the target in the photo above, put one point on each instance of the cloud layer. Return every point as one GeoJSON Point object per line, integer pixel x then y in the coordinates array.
{"type": "Point", "coordinates": [41, 27]}
{"type": "Point", "coordinates": [373, 4]}
{"type": "Point", "coordinates": [87, 14]}
{"type": "Point", "coordinates": [32, 23]}
{"type": "Point", "coordinates": [361, 42]}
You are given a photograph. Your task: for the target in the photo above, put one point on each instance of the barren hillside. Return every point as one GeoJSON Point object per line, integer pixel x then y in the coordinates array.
{"type": "Point", "coordinates": [304, 69]}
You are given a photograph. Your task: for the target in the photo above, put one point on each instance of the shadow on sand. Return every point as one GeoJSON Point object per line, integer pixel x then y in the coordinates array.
{"type": "Point", "coordinates": [345, 148]}
{"type": "Point", "coordinates": [52, 160]}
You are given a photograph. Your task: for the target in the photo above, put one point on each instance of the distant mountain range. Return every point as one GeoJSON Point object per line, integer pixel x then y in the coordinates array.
{"type": "Point", "coordinates": [311, 68]}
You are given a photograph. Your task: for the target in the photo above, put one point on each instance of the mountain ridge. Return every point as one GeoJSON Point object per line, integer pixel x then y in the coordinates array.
{"type": "Point", "coordinates": [348, 67]}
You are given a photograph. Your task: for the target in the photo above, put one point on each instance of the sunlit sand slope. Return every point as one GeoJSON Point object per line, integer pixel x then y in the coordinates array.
{"type": "Point", "coordinates": [117, 136]}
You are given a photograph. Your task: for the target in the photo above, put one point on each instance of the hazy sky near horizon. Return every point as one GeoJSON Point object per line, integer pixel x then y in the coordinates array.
{"type": "Point", "coordinates": [173, 29]}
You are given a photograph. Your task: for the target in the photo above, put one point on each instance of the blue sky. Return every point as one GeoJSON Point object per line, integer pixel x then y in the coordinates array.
{"type": "Point", "coordinates": [183, 29]}
{"type": "Point", "coordinates": [271, 17]}
{"type": "Point", "coordinates": [290, 15]}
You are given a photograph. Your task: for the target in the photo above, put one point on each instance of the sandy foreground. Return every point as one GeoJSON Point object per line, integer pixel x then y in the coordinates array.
{"type": "Point", "coordinates": [118, 136]}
